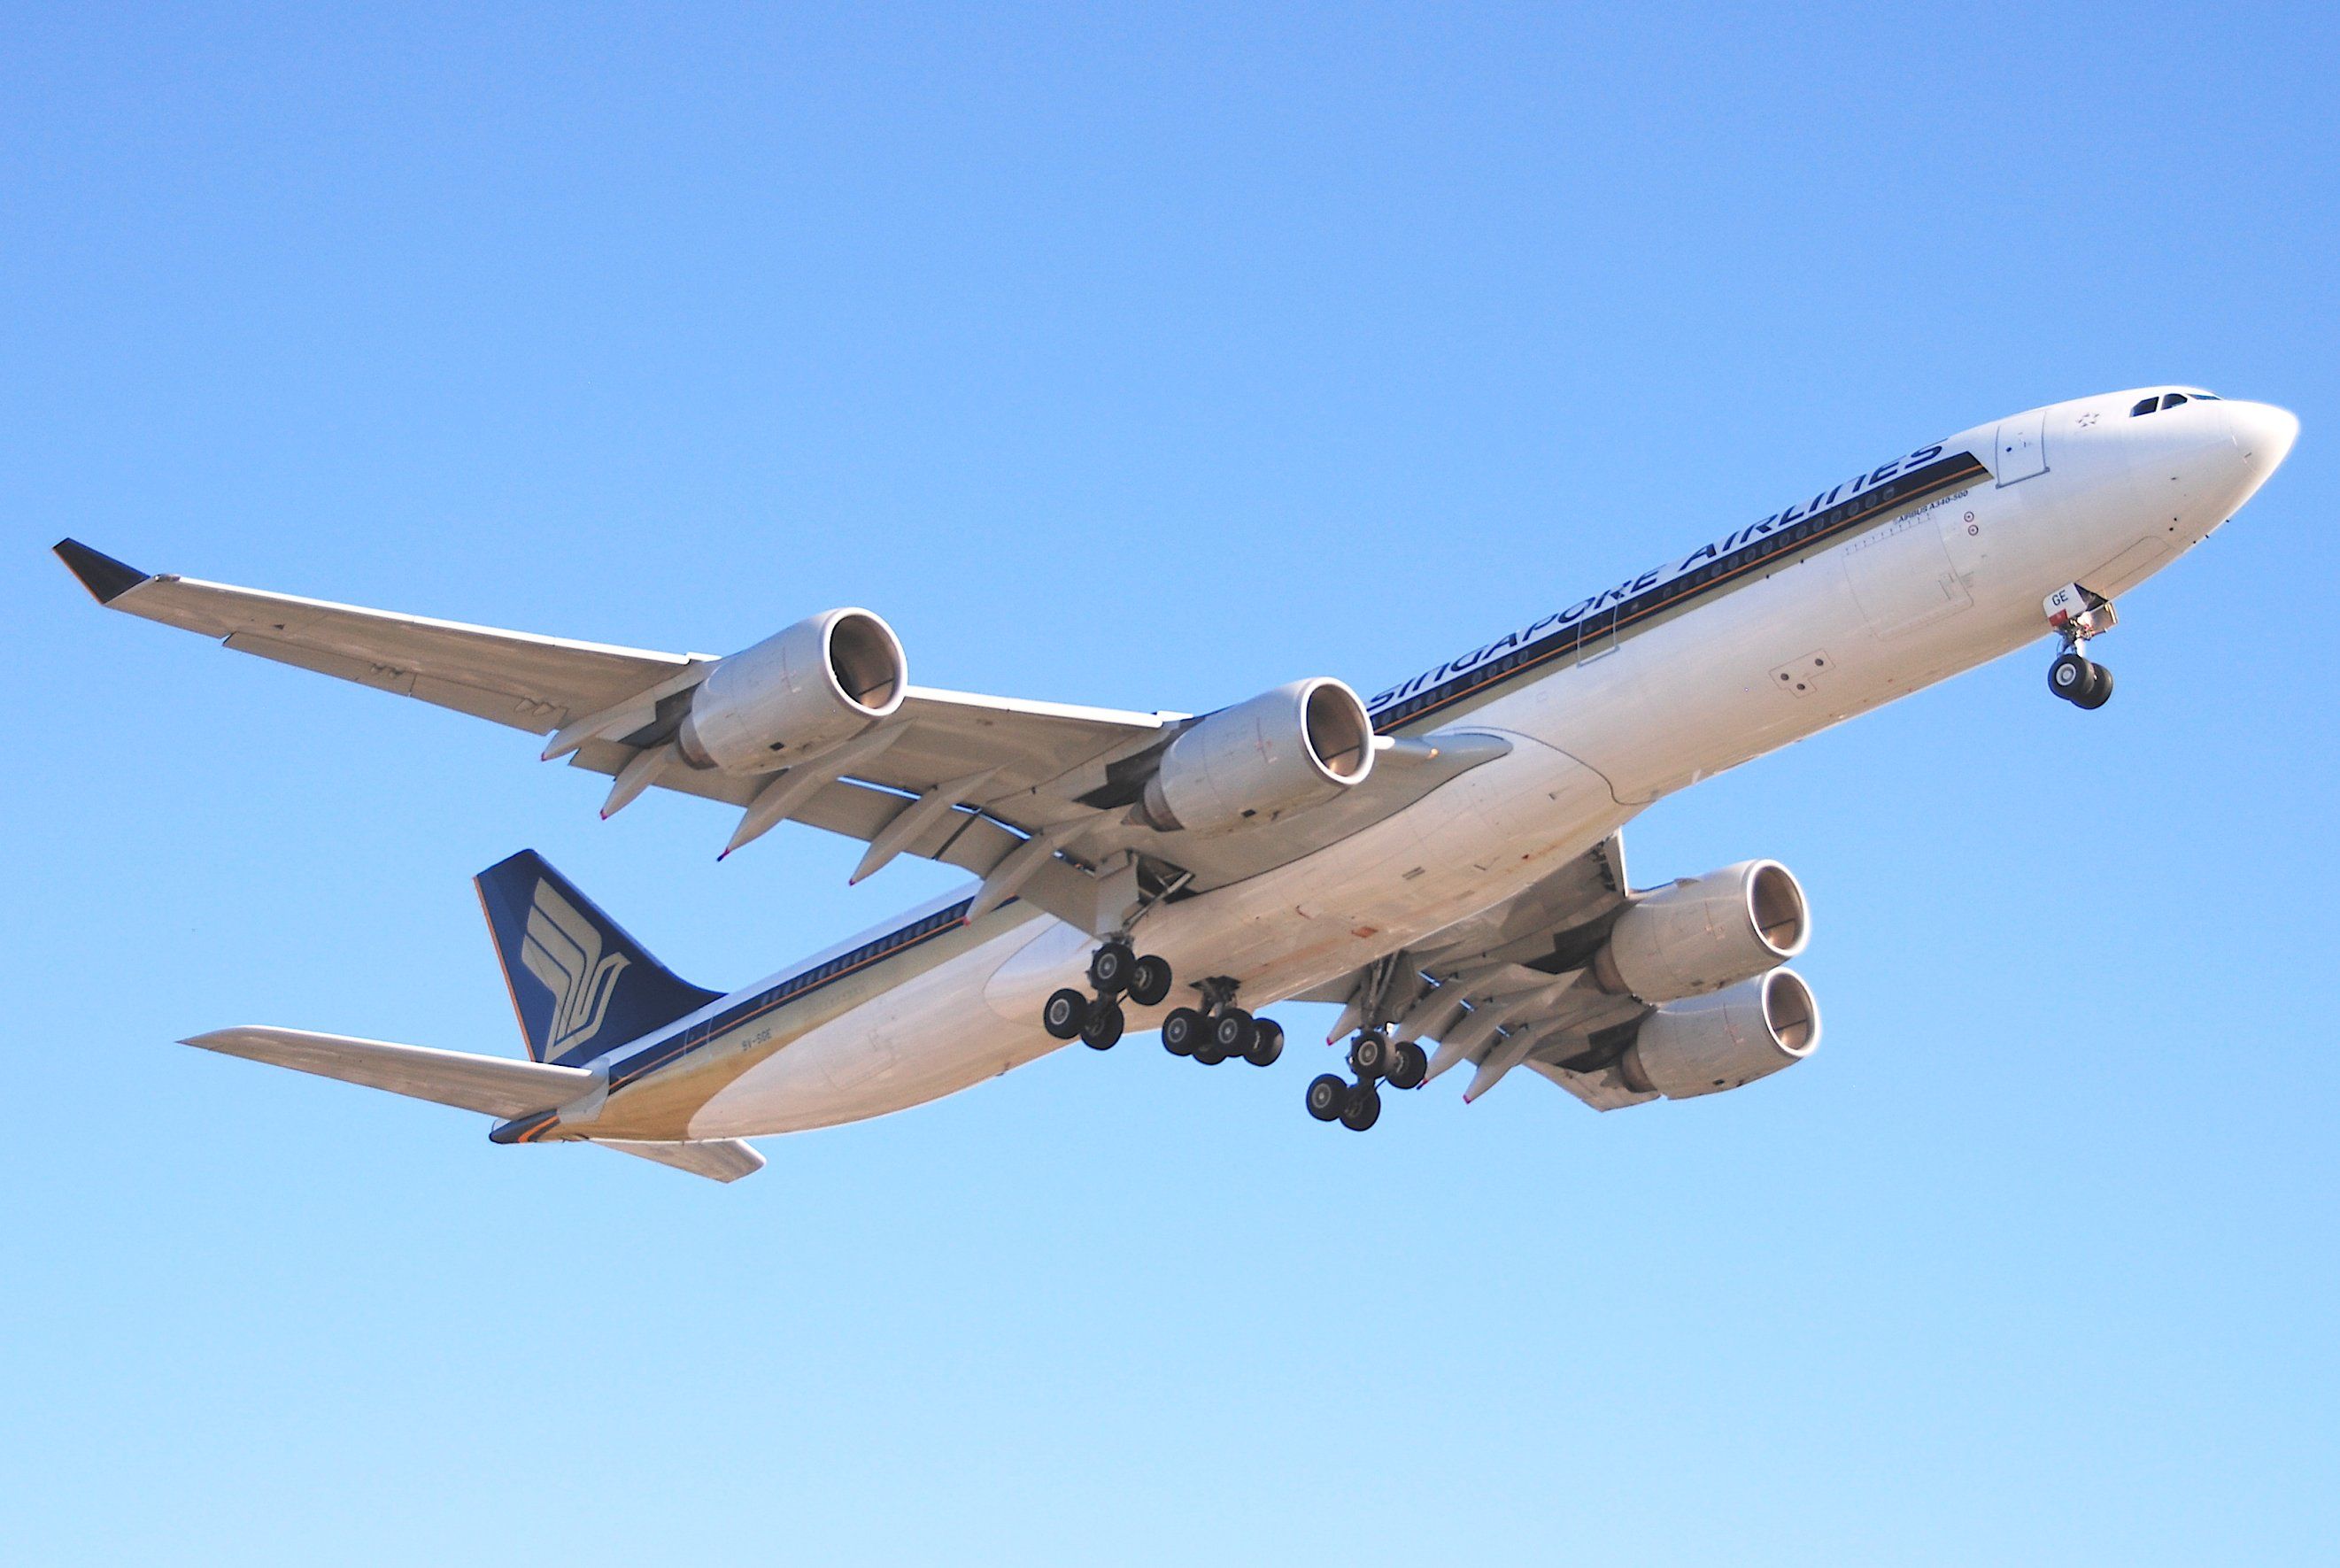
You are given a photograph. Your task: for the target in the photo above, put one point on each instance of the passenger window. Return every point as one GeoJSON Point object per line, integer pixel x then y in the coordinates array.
{"type": "Point", "coordinates": [2173, 400]}
{"type": "Point", "coordinates": [2147, 406]}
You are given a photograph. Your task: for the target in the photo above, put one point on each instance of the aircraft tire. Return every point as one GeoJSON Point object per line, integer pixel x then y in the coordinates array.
{"type": "Point", "coordinates": [2070, 677]}
{"type": "Point", "coordinates": [1362, 1108]}
{"type": "Point", "coordinates": [1327, 1095]}
{"type": "Point", "coordinates": [1266, 1043]}
{"type": "Point", "coordinates": [1112, 968]}
{"type": "Point", "coordinates": [1149, 982]}
{"type": "Point", "coordinates": [1102, 1030]}
{"type": "Point", "coordinates": [1182, 1031]}
{"type": "Point", "coordinates": [1067, 1012]}
{"type": "Point", "coordinates": [1413, 1066]}
{"type": "Point", "coordinates": [2100, 688]}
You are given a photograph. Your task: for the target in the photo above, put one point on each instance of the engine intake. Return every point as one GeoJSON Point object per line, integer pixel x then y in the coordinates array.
{"type": "Point", "coordinates": [1704, 933]}
{"type": "Point", "coordinates": [1297, 746]}
{"type": "Point", "coordinates": [823, 680]}
{"type": "Point", "coordinates": [1712, 1043]}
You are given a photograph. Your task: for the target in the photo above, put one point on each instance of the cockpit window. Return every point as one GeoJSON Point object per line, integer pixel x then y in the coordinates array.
{"type": "Point", "coordinates": [2170, 400]}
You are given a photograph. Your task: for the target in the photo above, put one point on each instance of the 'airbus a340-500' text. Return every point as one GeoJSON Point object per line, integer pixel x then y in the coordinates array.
{"type": "Point", "coordinates": [1442, 862]}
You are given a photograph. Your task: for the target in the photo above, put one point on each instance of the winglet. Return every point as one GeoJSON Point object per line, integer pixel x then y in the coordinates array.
{"type": "Point", "coordinates": [107, 579]}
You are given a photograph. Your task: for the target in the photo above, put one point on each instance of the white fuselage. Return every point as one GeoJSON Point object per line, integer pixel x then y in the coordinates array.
{"type": "Point", "coordinates": [1950, 582]}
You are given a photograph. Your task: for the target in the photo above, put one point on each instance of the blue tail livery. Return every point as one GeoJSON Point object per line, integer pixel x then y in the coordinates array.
{"type": "Point", "coordinates": [579, 983]}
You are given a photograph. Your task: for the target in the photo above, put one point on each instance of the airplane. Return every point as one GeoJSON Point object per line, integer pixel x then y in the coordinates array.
{"type": "Point", "coordinates": [1444, 862]}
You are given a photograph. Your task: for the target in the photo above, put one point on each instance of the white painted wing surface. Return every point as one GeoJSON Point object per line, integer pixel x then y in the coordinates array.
{"type": "Point", "coordinates": [540, 684]}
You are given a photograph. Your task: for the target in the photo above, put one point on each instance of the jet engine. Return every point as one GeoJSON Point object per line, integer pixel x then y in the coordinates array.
{"type": "Point", "coordinates": [1720, 1041]}
{"type": "Point", "coordinates": [823, 680]}
{"type": "Point", "coordinates": [1704, 933]}
{"type": "Point", "coordinates": [1297, 746]}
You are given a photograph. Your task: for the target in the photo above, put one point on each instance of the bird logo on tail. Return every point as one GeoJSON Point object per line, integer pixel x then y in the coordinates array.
{"type": "Point", "coordinates": [563, 950]}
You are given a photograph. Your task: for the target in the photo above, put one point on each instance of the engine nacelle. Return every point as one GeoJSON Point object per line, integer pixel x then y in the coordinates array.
{"type": "Point", "coordinates": [1705, 933]}
{"type": "Point", "coordinates": [823, 680]}
{"type": "Point", "coordinates": [1709, 1044]}
{"type": "Point", "coordinates": [1297, 746]}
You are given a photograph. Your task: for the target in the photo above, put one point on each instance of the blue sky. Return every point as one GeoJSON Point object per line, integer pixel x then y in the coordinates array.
{"type": "Point", "coordinates": [1149, 359]}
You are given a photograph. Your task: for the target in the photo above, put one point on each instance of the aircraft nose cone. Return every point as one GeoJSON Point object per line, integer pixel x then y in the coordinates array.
{"type": "Point", "coordinates": [2263, 434]}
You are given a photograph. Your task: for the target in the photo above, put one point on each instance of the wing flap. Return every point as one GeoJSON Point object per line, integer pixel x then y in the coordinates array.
{"type": "Point", "coordinates": [492, 1086]}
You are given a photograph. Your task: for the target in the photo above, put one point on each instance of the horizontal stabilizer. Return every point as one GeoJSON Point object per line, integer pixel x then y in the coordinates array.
{"type": "Point", "coordinates": [717, 1159]}
{"type": "Point", "coordinates": [493, 1086]}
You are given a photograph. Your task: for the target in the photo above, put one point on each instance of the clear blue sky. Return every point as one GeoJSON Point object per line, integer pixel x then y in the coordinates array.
{"type": "Point", "coordinates": [1151, 360]}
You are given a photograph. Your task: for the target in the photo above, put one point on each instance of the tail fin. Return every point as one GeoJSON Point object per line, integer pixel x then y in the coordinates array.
{"type": "Point", "coordinates": [579, 983]}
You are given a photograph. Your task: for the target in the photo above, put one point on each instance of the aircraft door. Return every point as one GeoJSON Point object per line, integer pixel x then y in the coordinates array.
{"type": "Point", "coordinates": [2021, 449]}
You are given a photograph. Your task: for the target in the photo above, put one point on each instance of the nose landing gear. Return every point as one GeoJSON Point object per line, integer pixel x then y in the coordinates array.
{"type": "Point", "coordinates": [1115, 970]}
{"type": "Point", "coordinates": [2078, 614]}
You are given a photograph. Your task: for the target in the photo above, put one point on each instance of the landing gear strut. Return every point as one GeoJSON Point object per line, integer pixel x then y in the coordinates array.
{"type": "Point", "coordinates": [1115, 970]}
{"type": "Point", "coordinates": [2079, 614]}
{"type": "Point", "coordinates": [1219, 1029]}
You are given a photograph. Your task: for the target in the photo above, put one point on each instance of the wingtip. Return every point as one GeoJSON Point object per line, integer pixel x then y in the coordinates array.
{"type": "Point", "coordinates": [107, 579]}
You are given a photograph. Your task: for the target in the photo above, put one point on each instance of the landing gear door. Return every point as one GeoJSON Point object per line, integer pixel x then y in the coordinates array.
{"type": "Point", "coordinates": [2022, 447]}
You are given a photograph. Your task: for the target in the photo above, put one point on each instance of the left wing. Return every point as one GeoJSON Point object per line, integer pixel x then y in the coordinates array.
{"type": "Point", "coordinates": [1035, 798]}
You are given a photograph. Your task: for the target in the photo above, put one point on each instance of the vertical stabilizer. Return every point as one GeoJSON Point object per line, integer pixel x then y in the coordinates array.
{"type": "Point", "coordinates": [579, 983]}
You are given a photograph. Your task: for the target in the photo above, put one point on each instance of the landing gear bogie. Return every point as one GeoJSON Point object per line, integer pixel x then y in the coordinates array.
{"type": "Point", "coordinates": [1115, 970]}
{"type": "Point", "coordinates": [1375, 1059]}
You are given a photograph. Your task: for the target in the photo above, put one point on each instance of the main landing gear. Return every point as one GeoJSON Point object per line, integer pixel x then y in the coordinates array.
{"type": "Point", "coordinates": [2078, 614]}
{"type": "Point", "coordinates": [1219, 1029]}
{"type": "Point", "coordinates": [1374, 1059]}
{"type": "Point", "coordinates": [1115, 970]}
